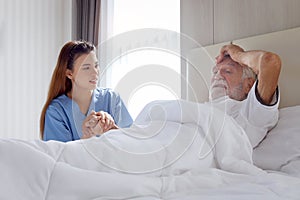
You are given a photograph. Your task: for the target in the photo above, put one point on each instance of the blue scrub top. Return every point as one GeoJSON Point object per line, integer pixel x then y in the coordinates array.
{"type": "Point", "coordinates": [63, 119]}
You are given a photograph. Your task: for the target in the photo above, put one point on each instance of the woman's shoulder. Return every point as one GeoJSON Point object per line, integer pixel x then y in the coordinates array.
{"type": "Point", "coordinates": [101, 91]}
{"type": "Point", "coordinates": [59, 102]}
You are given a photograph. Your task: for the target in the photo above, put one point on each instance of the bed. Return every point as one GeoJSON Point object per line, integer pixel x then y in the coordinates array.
{"type": "Point", "coordinates": [280, 150]}
{"type": "Point", "coordinates": [172, 151]}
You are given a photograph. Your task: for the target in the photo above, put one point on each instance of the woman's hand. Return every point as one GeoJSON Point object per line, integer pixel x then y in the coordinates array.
{"type": "Point", "coordinates": [97, 123]}
{"type": "Point", "coordinates": [106, 122]}
{"type": "Point", "coordinates": [89, 124]}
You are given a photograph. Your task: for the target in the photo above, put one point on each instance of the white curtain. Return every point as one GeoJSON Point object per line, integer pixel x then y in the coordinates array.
{"type": "Point", "coordinates": [32, 33]}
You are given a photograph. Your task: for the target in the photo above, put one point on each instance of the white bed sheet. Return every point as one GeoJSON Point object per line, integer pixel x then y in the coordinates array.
{"type": "Point", "coordinates": [172, 152]}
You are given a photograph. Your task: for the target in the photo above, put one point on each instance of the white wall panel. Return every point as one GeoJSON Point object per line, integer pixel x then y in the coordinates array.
{"type": "Point", "coordinates": [235, 19]}
{"type": "Point", "coordinates": [196, 20]}
{"type": "Point", "coordinates": [214, 21]}
{"type": "Point", "coordinates": [196, 23]}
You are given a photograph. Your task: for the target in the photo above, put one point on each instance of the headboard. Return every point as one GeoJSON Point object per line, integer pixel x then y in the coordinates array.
{"type": "Point", "coordinates": [284, 43]}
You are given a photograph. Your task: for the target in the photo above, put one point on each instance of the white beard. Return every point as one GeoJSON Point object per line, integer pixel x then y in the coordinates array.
{"type": "Point", "coordinates": [220, 89]}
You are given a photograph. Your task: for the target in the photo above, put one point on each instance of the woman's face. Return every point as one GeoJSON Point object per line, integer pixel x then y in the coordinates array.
{"type": "Point", "coordinates": [85, 73]}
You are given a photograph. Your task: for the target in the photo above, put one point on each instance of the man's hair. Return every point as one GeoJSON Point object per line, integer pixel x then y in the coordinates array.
{"type": "Point", "coordinates": [248, 73]}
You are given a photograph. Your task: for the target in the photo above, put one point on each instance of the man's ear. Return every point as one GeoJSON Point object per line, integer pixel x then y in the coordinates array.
{"type": "Point", "coordinates": [248, 83]}
{"type": "Point", "coordinates": [69, 74]}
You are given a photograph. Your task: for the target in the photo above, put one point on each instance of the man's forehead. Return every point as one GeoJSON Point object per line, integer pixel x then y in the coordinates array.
{"type": "Point", "coordinates": [227, 61]}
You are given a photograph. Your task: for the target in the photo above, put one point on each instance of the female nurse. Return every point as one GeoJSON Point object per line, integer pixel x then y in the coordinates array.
{"type": "Point", "coordinates": [75, 107]}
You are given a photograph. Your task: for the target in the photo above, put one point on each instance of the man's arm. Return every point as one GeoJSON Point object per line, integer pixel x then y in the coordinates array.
{"type": "Point", "coordinates": [265, 64]}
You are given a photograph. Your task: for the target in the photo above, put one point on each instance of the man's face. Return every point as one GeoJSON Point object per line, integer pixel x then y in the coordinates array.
{"type": "Point", "coordinates": [227, 80]}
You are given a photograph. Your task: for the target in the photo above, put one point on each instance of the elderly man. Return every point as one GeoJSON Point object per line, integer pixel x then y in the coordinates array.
{"type": "Point", "coordinates": [249, 79]}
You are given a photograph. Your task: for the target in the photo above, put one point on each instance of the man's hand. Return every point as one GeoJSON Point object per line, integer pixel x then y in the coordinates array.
{"type": "Point", "coordinates": [237, 54]}
{"type": "Point", "coordinates": [232, 50]}
{"type": "Point", "coordinates": [265, 64]}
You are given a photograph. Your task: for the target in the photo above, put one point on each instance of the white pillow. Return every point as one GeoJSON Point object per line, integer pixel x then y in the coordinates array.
{"type": "Point", "coordinates": [280, 150]}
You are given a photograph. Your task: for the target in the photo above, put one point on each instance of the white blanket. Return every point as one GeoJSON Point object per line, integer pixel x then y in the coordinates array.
{"type": "Point", "coordinates": [174, 150]}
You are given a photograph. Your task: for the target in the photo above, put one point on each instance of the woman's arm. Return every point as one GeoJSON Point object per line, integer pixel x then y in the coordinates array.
{"type": "Point", "coordinates": [56, 127]}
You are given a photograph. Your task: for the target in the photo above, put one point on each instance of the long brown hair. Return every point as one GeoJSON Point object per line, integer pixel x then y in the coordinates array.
{"type": "Point", "coordinates": [60, 84]}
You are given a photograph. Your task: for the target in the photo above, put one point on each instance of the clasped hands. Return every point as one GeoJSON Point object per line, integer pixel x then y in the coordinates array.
{"type": "Point", "coordinates": [97, 123]}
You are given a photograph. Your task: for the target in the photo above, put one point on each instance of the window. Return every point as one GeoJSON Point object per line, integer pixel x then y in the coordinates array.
{"type": "Point", "coordinates": [145, 73]}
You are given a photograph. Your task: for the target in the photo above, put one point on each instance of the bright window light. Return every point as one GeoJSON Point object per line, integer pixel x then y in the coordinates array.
{"type": "Point", "coordinates": [160, 84]}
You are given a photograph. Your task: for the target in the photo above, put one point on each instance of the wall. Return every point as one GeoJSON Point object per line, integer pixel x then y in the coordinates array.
{"type": "Point", "coordinates": [214, 21]}
{"type": "Point", "coordinates": [32, 32]}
